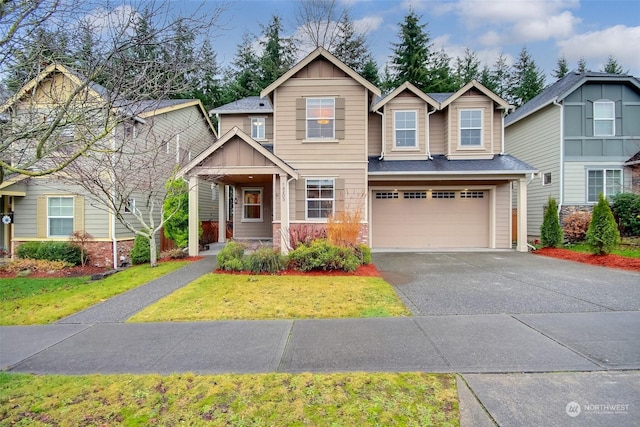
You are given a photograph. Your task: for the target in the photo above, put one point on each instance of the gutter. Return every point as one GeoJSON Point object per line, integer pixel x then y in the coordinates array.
{"type": "Point", "coordinates": [114, 242]}
{"type": "Point", "coordinates": [383, 134]}
{"type": "Point", "coordinates": [428, 131]}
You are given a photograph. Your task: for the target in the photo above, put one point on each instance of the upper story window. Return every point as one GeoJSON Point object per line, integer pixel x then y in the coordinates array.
{"type": "Point", "coordinates": [59, 216]}
{"type": "Point", "coordinates": [321, 118]}
{"type": "Point", "coordinates": [605, 181]}
{"type": "Point", "coordinates": [130, 205]}
{"type": "Point", "coordinates": [604, 113]}
{"type": "Point", "coordinates": [320, 198]}
{"type": "Point", "coordinates": [252, 204]}
{"type": "Point", "coordinates": [471, 128]}
{"type": "Point", "coordinates": [258, 127]}
{"type": "Point", "coordinates": [405, 128]}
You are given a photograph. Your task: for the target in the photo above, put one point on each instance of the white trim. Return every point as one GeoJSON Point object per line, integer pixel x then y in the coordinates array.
{"type": "Point", "coordinates": [307, 119]}
{"type": "Point", "coordinates": [306, 198]}
{"type": "Point", "coordinates": [461, 128]}
{"type": "Point", "coordinates": [49, 217]}
{"type": "Point", "coordinates": [263, 125]}
{"type": "Point", "coordinates": [244, 203]}
{"type": "Point", "coordinates": [415, 129]}
{"type": "Point", "coordinates": [604, 171]}
{"type": "Point", "coordinates": [611, 119]}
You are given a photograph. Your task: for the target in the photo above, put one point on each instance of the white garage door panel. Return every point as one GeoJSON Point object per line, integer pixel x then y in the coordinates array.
{"type": "Point", "coordinates": [430, 222]}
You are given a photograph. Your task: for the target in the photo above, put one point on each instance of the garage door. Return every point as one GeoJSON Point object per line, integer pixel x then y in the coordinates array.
{"type": "Point", "coordinates": [430, 219]}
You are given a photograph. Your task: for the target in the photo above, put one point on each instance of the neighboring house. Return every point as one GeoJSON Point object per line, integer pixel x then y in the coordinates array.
{"type": "Point", "coordinates": [581, 133]}
{"type": "Point", "coordinates": [46, 208]}
{"type": "Point", "coordinates": [425, 171]}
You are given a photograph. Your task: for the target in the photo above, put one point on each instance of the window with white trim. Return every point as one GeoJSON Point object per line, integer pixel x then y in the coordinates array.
{"type": "Point", "coordinates": [604, 114]}
{"type": "Point", "coordinates": [470, 128]}
{"type": "Point", "coordinates": [546, 178]}
{"type": "Point", "coordinates": [321, 118]}
{"type": "Point", "coordinates": [320, 194]}
{"type": "Point", "coordinates": [130, 206]}
{"type": "Point", "coordinates": [258, 127]}
{"type": "Point", "coordinates": [605, 181]}
{"type": "Point", "coordinates": [251, 204]}
{"type": "Point", "coordinates": [405, 129]}
{"type": "Point", "coordinates": [59, 216]}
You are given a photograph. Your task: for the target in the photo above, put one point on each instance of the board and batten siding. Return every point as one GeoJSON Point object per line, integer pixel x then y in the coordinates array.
{"type": "Point", "coordinates": [351, 147]}
{"type": "Point", "coordinates": [536, 140]}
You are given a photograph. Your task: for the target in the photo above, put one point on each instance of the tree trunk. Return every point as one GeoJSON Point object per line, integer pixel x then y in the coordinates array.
{"type": "Point", "coordinates": [153, 255]}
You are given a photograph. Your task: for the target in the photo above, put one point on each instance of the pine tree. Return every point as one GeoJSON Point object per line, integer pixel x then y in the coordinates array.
{"type": "Point", "coordinates": [603, 235]}
{"type": "Point", "coordinates": [487, 80]}
{"type": "Point", "coordinates": [501, 77]}
{"type": "Point", "coordinates": [243, 79]}
{"type": "Point", "coordinates": [387, 81]}
{"type": "Point", "coordinates": [441, 77]}
{"type": "Point", "coordinates": [351, 46]}
{"type": "Point", "coordinates": [582, 65]}
{"type": "Point", "coordinates": [278, 52]}
{"type": "Point", "coordinates": [370, 72]}
{"type": "Point", "coordinates": [527, 80]}
{"type": "Point", "coordinates": [411, 55]}
{"type": "Point", "coordinates": [612, 66]}
{"type": "Point", "coordinates": [561, 68]}
{"type": "Point", "coordinates": [467, 67]}
{"type": "Point", "coordinates": [551, 234]}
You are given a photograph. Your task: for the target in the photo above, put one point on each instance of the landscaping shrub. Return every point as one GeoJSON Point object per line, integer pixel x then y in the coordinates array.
{"type": "Point", "coordinates": [35, 265]}
{"type": "Point", "coordinates": [230, 257]}
{"type": "Point", "coordinates": [265, 260]}
{"type": "Point", "coordinates": [603, 235]}
{"type": "Point", "coordinates": [363, 252]}
{"type": "Point", "coordinates": [141, 251]}
{"type": "Point", "coordinates": [626, 211]}
{"type": "Point", "coordinates": [550, 231]}
{"type": "Point", "coordinates": [300, 234]}
{"type": "Point", "coordinates": [81, 238]}
{"type": "Point", "coordinates": [343, 229]}
{"type": "Point", "coordinates": [321, 255]}
{"type": "Point", "coordinates": [174, 254]}
{"type": "Point", "coordinates": [51, 251]}
{"type": "Point", "coordinates": [576, 226]}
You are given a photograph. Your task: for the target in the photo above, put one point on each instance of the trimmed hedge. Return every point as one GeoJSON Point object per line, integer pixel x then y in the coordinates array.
{"type": "Point", "coordinates": [51, 251]}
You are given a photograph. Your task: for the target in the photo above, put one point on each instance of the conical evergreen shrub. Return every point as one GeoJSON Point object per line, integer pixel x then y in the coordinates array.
{"type": "Point", "coordinates": [603, 235]}
{"type": "Point", "coordinates": [551, 234]}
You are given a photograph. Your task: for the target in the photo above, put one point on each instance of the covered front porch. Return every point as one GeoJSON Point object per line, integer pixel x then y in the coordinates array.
{"type": "Point", "coordinates": [253, 190]}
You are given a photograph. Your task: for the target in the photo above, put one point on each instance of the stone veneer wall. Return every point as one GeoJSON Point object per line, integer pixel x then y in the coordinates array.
{"type": "Point", "coordinates": [567, 210]}
{"type": "Point", "coordinates": [635, 179]}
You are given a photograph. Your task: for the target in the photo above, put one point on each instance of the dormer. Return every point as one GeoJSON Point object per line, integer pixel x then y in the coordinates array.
{"type": "Point", "coordinates": [253, 115]}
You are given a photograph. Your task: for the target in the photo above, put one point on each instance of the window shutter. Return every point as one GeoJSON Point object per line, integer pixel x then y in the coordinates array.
{"type": "Point", "coordinates": [339, 195]}
{"type": "Point", "coordinates": [301, 118]}
{"type": "Point", "coordinates": [301, 198]}
{"type": "Point", "coordinates": [246, 125]}
{"type": "Point", "coordinates": [41, 217]}
{"type": "Point", "coordinates": [340, 118]}
{"type": "Point", "coordinates": [78, 213]}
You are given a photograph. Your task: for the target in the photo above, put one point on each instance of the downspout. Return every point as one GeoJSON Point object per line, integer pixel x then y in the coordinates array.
{"type": "Point", "coordinates": [114, 241]}
{"type": "Point", "coordinates": [428, 132]}
{"type": "Point", "coordinates": [561, 180]}
{"type": "Point", "coordinates": [504, 113]}
{"type": "Point", "coordinates": [218, 123]}
{"type": "Point", "coordinates": [383, 135]}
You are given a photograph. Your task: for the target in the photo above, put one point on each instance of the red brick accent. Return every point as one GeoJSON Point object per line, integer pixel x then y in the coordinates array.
{"type": "Point", "coordinates": [315, 229]}
{"type": "Point", "coordinates": [100, 253]}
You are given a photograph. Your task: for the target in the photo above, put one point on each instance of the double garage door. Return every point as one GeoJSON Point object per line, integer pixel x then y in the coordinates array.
{"type": "Point", "coordinates": [430, 219]}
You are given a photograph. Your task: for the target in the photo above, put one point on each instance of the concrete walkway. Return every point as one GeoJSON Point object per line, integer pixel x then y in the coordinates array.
{"type": "Point", "coordinates": [515, 369]}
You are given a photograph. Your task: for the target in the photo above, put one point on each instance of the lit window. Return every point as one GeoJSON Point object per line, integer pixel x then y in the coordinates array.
{"type": "Point", "coordinates": [604, 118]}
{"type": "Point", "coordinates": [257, 127]}
{"type": "Point", "coordinates": [320, 198]}
{"type": "Point", "coordinates": [320, 118]}
{"type": "Point", "coordinates": [605, 181]}
{"type": "Point", "coordinates": [405, 128]}
{"type": "Point", "coordinates": [252, 204]}
{"type": "Point", "coordinates": [471, 128]}
{"type": "Point", "coordinates": [60, 216]}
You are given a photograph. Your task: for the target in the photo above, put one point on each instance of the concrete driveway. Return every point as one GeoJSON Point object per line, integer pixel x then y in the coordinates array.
{"type": "Point", "coordinates": [435, 284]}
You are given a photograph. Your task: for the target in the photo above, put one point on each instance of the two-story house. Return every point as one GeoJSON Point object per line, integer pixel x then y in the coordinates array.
{"type": "Point", "coordinates": [582, 134]}
{"type": "Point", "coordinates": [425, 171]}
{"type": "Point", "coordinates": [49, 208]}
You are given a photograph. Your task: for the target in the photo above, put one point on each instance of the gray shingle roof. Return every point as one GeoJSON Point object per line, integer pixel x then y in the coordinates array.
{"type": "Point", "coordinates": [440, 165]}
{"type": "Point", "coordinates": [251, 104]}
{"type": "Point", "coordinates": [143, 106]}
{"type": "Point", "coordinates": [441, 97]}
{"type": "Point", "coordinates": [562, 88]}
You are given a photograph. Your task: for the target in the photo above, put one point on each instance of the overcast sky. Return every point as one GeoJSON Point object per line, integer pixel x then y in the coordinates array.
{"type": "Point", "coordinates": [592, 29]}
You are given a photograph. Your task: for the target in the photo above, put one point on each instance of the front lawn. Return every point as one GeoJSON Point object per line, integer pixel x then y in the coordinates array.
{"type": "Point", "coordinates": [628, 248]}
{"type": "Point", "coordinates": [227, 296]}
{"type": "Point", "coordinates": [345, 399]}
{"type": "Point", "coordinates": [31, 301]}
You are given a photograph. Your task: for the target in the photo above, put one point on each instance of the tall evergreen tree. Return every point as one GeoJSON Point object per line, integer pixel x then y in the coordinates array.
{"type": "Point", "coordinates": [411, 55]}
{"type": "Point", "coordinates": [561, 69]}
{"type": "Point", "coordinates": [527, 79]}
{"type": "Point", "coordinates": [612, 66]}
{"type": "Point", "coordinates": [387, 80]}
{"type": "Point", "coordinates": [278, 53]}
{"type": "Point", "coordinates": [440, 77]}
{"type": "Point", "coordinates": [501, 77]}
{"type": "Point", "coordinates": [207, 78]}
{"type": "Point", "coordinates": [582, 65]}
{"type": "Point", "coordinates": [370, 72]}
{"type": "Point", "coordinates": [243, 79]}
{"type": "Point", "coordinates": [351, 46]}
{"type": "Point", "coordinates": [487, 80]}
{"type": "Point", "coordinates": [467, 67]}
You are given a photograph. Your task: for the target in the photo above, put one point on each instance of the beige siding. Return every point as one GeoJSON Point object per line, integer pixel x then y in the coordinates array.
{"type": "Point", "coordinates": [405, 102]}
{"type": "Point", "coordinates": [503, 216]}
{"type": "Point", "coordinates": [252, 229]}
{"type": "Point", "coordinates": [536, 140]}
{"type": "Point", "coordinates": [30, 218]}
{"type": "Point", "coordinates": [375, 134]}
{"type": "Point", "coordinates": [438, 133]}
{"type": "Point", "coordinates": [352, 147]}
{"type": "Point", "coordinates": [491, 136]}
{"type": "Point", "coordinates": [243, 122]}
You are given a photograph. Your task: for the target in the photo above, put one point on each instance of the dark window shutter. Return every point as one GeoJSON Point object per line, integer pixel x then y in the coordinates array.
{"type": "Point", "coordinates": [301, 199]}
{"type": "Point", "coordinates": [301, 118]}
{"type": "Point", "coordinates": [339, 195]}
{"type": "Point", "coordinates": [340, 118]}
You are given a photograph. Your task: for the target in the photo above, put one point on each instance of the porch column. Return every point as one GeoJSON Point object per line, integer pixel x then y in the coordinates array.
{"type": "Point", "coordinates": [7, 228]}
{"type": "Point", "coordinates": [284, 214]}
{"type": "Point", "coordinates": [222, 213]}
{"type": "Point", "coordinates": [194, 219]}
{"type": "Point", "coordinates": [521, 245]}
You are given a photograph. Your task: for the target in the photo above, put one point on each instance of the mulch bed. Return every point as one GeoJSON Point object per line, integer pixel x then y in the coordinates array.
{"type": "Point", "coordinates": [368, 270]}
{"type": "Point", "coordinates": [611, 261]}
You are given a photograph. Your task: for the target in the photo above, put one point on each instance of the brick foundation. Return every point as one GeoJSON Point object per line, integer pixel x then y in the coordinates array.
{"type": "Point", "coordinates": [635, 179]}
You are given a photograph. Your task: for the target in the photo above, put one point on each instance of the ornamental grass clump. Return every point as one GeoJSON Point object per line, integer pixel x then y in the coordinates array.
{"type": "Point", "coordinates": [551, 234]}
{"type": "Point", "coordinates": [603, 235]}
{"type": "Point", "coordinates": [230, 257]}
{"type": "Point", "coordinates": [265, 260]}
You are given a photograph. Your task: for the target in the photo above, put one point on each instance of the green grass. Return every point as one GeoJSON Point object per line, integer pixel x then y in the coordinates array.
{"type": "Point", "coordinates": [31, 301]}
{"type": "Point", "coordinates": [622, 250]}
{"type": "Point", "coordinates": [345, 399]}
{"type": "Point", "coordinates": [227, 296]}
